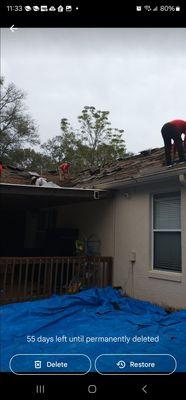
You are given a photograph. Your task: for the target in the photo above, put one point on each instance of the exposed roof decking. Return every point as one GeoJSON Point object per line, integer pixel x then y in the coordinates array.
{"type": "Point", "coordinates": [133, 170]}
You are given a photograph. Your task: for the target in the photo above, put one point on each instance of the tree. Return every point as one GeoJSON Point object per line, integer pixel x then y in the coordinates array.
{"type": "Point", "coordinates": [29, 158]}
{"type": "Point", "coordinates": [105, 143]}
{"type": "Point", "coordinates": [93, 144]}
{"type": "Point", "coordinates": [17, 127]}
{"type": "Point", "coordinates": [63, 146]}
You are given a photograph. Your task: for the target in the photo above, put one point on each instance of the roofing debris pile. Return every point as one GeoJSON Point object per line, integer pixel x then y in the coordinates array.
{"type": "Point", "coordinates": [16, 175]}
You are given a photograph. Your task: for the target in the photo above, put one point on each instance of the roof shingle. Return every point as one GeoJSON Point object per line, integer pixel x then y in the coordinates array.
{"type": "Point", "coordinates": [146, 163]}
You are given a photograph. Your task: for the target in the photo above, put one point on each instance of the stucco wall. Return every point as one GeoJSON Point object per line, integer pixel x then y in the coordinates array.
{"type": "Point", "coordinates": [133, 234]}
{"type": "Point", "coordinates": [95, 217]}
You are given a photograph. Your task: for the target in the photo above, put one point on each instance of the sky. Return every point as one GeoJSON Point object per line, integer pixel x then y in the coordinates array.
{"type": "Point", "coordinates": [137, 74]}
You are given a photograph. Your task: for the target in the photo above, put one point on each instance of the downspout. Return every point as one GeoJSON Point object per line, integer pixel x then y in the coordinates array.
{"type": "Point", "coordinates": [182, 179]}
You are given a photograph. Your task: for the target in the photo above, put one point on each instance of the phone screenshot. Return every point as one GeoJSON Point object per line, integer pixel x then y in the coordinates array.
{"type": "Point", "coordinates": [93, 199]}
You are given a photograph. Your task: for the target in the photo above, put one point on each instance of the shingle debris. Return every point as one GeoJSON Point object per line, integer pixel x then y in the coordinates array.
{"type": "Point", "coordinates": [147, 162]}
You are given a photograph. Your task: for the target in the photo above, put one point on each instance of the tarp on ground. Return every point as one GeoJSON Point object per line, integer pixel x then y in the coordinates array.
{"type": "Point", "coordinates": [91, 313]}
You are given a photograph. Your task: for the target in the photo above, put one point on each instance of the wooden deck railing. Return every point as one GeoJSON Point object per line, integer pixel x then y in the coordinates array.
{"type": "Point", "coordinates": [29, 278]}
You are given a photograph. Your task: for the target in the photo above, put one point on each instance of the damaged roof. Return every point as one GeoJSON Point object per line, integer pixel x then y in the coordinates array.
{"type": "Point", "coordinates": [20, 176]}
{"type": "Point", "coordinates": [131, 170]}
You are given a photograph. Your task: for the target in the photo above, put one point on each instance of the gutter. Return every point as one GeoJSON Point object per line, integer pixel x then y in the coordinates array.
{"type": "Point", "coordinates": [67, 192]}
{"type": "Point", "coordinates": [49, 187]}
{"type": "Point", "coordinates": [139, 180]}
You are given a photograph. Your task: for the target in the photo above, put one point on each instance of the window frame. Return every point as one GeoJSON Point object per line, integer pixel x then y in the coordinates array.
{"type": "Point", "coordinates": [153, 269]}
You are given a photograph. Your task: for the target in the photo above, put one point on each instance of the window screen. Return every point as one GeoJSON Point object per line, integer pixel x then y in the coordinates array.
{"type": "Point", "coordinates": [167, 211]}
{"type": "Point", "coordinates": [167, 232]}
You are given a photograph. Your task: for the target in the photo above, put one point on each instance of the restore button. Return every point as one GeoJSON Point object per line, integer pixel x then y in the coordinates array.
{"type": "Point", "coordinates": [134, 364]}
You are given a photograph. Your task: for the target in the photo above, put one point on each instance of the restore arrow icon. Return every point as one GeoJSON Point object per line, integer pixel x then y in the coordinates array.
{"type": "Point", "coordinates": [13, 29]}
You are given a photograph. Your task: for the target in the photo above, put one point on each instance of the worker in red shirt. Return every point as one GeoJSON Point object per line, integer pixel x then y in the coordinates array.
{"type": "Point", "coordinates": [175, 148]}
{"type": "Point", "coordinates": [1, 168]}
{"type": "Point", "coordinates": [64, 170]}
{"type": "Point", "coordinates": [172, 131]}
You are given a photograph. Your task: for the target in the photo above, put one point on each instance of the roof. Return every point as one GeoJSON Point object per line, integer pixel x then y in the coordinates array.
{"type": "Point", "coordinates": [20, 176]}
{"type": "Point", "coordinates": [133, 170]}
{"type": "Point", "coordinates": [146, 165]}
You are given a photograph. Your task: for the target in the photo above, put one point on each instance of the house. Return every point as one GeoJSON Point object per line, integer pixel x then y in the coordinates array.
{"type": "Point", "coordinates": [135, 208]}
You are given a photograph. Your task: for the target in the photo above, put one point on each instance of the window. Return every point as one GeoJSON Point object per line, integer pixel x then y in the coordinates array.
{"type": "Point", "coordinates": [167, 232]}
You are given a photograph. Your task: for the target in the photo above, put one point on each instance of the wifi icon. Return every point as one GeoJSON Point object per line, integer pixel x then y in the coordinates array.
{"type": "Point", "coordinates": [147, 8]}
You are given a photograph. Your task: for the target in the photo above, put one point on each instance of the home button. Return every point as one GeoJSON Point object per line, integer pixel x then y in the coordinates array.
{"type": "Point", "coordinates": [92, 389]}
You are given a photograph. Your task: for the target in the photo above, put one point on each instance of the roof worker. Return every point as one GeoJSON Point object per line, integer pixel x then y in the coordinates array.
{"type": "Point", "coordinates": [175, 148]}
{"type": "Point", "coordinates": [64, 170]}
{"type": "Point", "coordinates": [172, 131]}
{"type": "Point", "coordinates": [1, 168]}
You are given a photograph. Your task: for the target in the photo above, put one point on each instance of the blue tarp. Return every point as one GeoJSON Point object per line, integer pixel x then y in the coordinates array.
{"type": "Point", "coordinates": [91, 313]}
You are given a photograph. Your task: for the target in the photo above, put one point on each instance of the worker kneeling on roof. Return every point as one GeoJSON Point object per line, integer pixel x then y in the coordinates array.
{"type": "Point", "coordinates": [64, 170]}
{"type": "Point", "coordinates": [173, 131]}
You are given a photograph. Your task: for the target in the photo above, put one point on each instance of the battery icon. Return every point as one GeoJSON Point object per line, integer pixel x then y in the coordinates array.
{"type": "Point", "coordinates": [178, 8]}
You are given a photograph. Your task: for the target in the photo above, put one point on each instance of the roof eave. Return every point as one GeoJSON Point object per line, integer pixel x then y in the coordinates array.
{"type": "Point", "coordinates": [76, 192]}
{"type": "Point", "coordinates": [137, 180]}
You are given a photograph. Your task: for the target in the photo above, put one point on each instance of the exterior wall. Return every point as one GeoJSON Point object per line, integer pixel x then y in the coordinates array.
{"type": "Point", "coordinates": [95, 217]}
{"type": "Point", "coordinates": [133, 233]}
{"type": "Point", "coordinates": [124, 227]}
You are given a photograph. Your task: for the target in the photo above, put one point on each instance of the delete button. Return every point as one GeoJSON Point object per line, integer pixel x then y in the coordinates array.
{"type": "Point", "coordinates": [23, 364]}
{"type": "Point", "coordinates": [57, 364]}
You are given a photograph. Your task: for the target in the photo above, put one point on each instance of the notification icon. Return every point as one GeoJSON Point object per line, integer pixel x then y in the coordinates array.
{"type": "Point", "coordinates": [28, 8]}
{"type": "Point", "coordinates": [44, 8]}
{"type": "Point", "coordinates": [36, 8]}
{"type": "Point", "coordinates": [68, 8]}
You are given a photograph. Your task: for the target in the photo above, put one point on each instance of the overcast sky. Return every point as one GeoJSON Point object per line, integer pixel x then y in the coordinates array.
{"type": "Point", "coordinates": [139, 75]}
